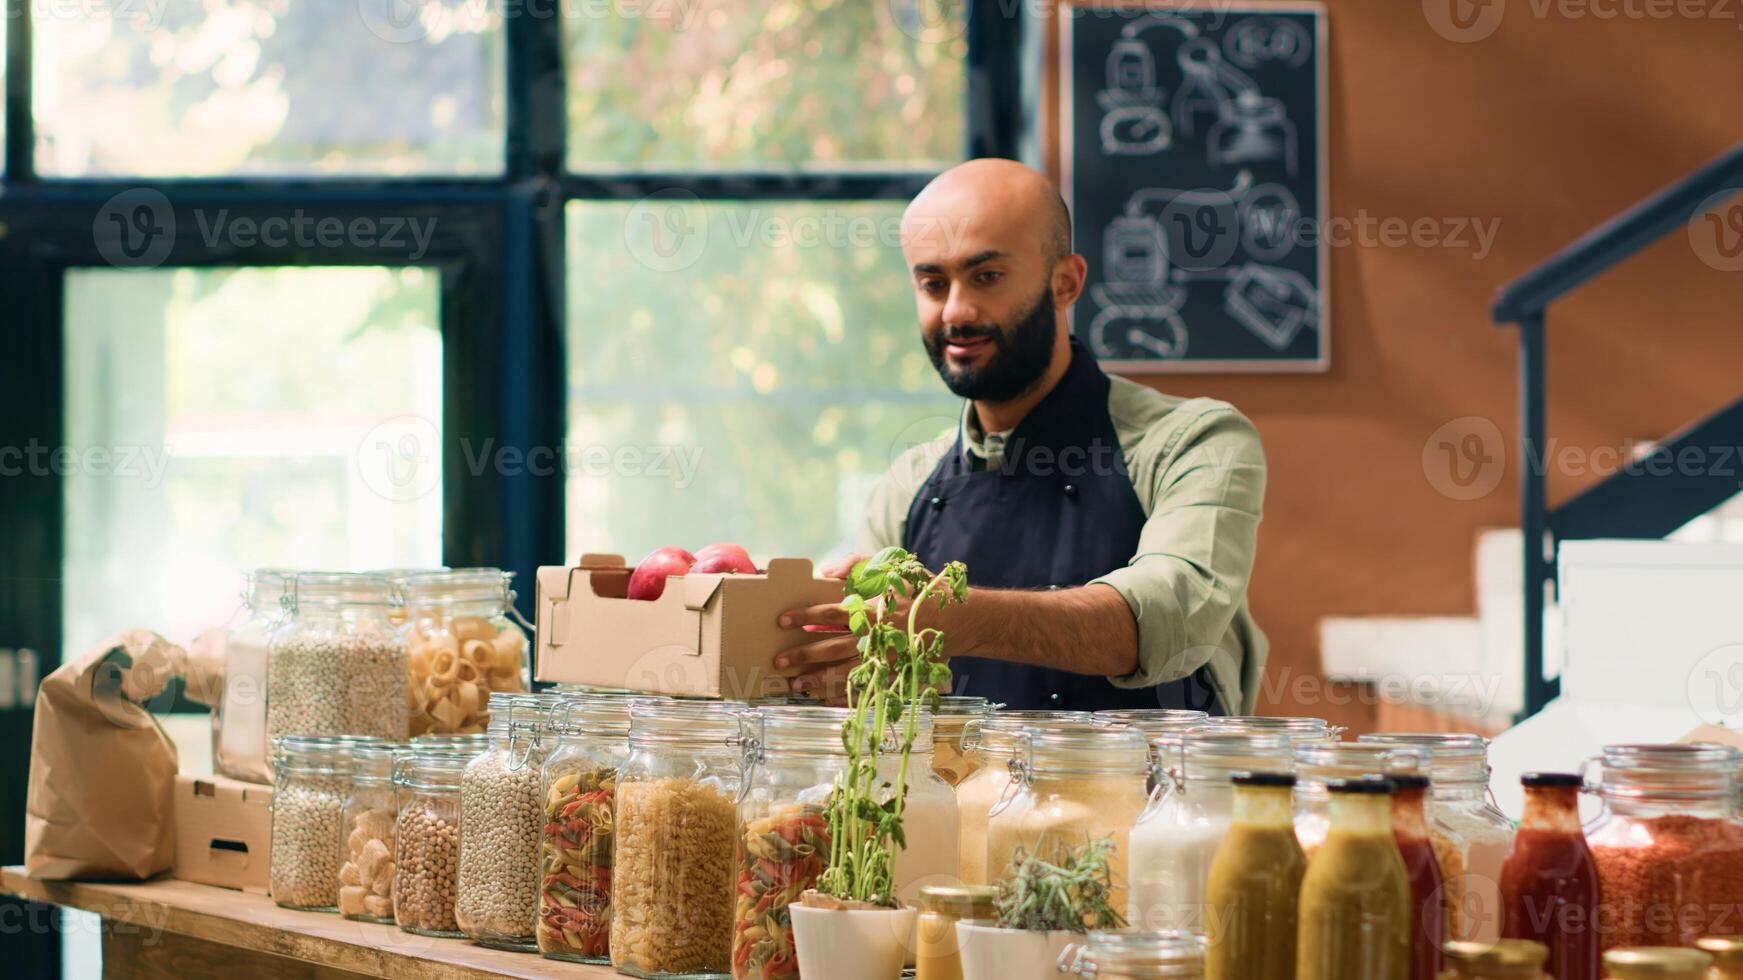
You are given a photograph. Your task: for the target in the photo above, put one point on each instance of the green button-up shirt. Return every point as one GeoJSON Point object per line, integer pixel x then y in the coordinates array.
{"type": "Point", "coordinates": [1199, 472]}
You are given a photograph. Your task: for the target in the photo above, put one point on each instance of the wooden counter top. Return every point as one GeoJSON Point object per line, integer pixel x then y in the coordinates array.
{"type": "Point", "coordinates": [170, 928]}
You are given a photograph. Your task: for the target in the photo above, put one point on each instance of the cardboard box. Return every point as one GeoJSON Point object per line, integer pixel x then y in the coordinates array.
{"type": "Point", "coordinates": [705, 636]}
{"type": "Point", "coordinates": [223, 832]}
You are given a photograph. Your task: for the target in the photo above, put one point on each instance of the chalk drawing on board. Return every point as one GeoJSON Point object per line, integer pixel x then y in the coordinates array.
{"type": "Point", "coordinates": [1248, 128]}
{"type": "Point", "coordinates": [1272, 303]}
{"type": "Point", "coordinates": [1269, 218]}
{"type": "Point", "coordinates": [1257, 41]}
{"type": "Point", "coordinates": [1137, 316]}
{"type": "Point", "coordinates": [1134, 123]}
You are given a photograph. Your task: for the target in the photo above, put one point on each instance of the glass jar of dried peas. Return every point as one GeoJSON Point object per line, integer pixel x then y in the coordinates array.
{"type": "Point", "coordinates": [578, 781]}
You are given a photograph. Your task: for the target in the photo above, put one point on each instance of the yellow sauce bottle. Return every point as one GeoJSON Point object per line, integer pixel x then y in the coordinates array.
{"type": "Point", "coordinates": [937, 956]}
{"type": "Point", "coordinates": [1507, 959]}
{"type": "Point", "coordinates": [1255, 884]}
{"type": "Point", "coordinates": [1355, 898]}
{"type": "Point", "coordinates": [1656, 963]}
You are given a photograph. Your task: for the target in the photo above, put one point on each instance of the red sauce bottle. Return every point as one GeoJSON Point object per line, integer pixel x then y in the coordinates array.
{"type": "Point", "coordinates": [1427, 914]}
{"type": "Point", "coordinates": [1549, 884]}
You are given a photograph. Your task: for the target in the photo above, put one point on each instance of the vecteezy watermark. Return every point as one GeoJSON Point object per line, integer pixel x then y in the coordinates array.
{"type": "Point", "coordinates": [1715, 686]}
{"type": "Point", "coordinates": [400, 459]}
{"type": "Point", "coordinates": [1468, 21]}
{"type": "Point", "coordinates": [1716, 230]}
{"type": "Point", "coordinates": [136, 14]}
{"type": "Point", "coordinates": [1466, 458]}
{"type": "Point", "coordinates": [410, 21]}
{"type": "Point", "coordinates": [1472, 695]}
{"type": "Point", "coordinates": [145, 464]}
{"type": "Point", "coordinates": [670, 230]}
{"type": "Point", "coordinates": [137, 229]}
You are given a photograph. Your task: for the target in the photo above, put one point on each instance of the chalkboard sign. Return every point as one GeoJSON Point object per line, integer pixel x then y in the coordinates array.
{"type": "Point", "coordinates": [1192, 143]}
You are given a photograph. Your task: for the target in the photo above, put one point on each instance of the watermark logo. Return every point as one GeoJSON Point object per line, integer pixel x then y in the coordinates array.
{"type": "Point", "coordinates": [1715, 686]}
{"type": "Point", "coordinates": [1716, 230]}
{"type": "Point", "coordinates": [135, 229]}
{"type": "Point", "coordinates": [1466, 458]}
{"type": "Point", "coordinates": [1464, 21]}
{"type": "Point", "coordinates": [395, 21]}
{"type": "Point", "coordinates": [929, 21]}
{"type": "Point", "coordinates": [667, 231]}
{"type": "Point", "coordinates": [400, 458]}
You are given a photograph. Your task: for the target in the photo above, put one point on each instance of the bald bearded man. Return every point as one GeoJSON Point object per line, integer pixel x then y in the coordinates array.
{"type": "Point", "coordinates": [1108, 529]}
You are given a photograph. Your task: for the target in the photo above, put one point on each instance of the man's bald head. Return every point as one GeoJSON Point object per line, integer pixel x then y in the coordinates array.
{"type": "Point", "coordinates": [995, 187]}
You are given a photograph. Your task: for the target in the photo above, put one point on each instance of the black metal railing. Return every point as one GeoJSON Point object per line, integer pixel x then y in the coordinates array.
{"type": "Point", "coordinates": [1640, 501]}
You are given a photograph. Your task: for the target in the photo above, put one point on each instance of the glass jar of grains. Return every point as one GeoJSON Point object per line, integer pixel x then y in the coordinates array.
{"type": "Point", "coordinates": [308, 802]}
{"type": "Point", "coordinates": [988, 745]}
{"type": "Point", "coordinates": [426, 856]}
{"type": "Point", "coordinates": [1503, 959]}
{"type": "Point", "coordinates": [1461, 802]}
{"type": "Point", "coordinates": [792, 760]}
{"type": "Point", "coordinates": [502, 808]}
{"type": "Point", "coordinates": [950, 722]}
{"type": "Point", "coordinates": [367, 823]}
{"type": "Point", "coordinates": [579, 785]}
{"type": "Point", "coordinates": [1656, 963]}
{"type": "Point", "coordinates": [1175, 839]}
{"type": "Point", "coordinates": [1069, 786]}
{"type": "Point", "coordinates": [1727, 954]}
{"type": "Point", "coordinates": [673, 863]}
{"type": "Point", "coordinates": [338, 666]}
{"type": "Point", "coordinates": [1136, 955]}
{"type": "Point", "coordinates": [241, 749]}
{"type": "Point", "coordinates": [1668, 838]}
{"type": "Point", "coordinates": [462, 648]}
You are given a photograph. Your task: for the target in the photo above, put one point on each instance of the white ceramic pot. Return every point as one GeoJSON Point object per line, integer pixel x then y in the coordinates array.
{"type": "Point", "coordinates": [992, 953]}
{"type": "Point", "coordinates": [852, 944]}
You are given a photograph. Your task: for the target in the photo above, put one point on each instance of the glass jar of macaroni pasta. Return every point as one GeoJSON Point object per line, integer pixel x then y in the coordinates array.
{"type": "Point", "coordinates": [367, 822]}
{"type": "Point", "coordinates": [950, 722]}
{"type": "Point", "coordinates": [462, 648]}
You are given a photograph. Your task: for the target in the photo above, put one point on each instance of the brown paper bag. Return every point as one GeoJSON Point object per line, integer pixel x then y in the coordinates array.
{"type": "Point", "coordinates": [101, 802]}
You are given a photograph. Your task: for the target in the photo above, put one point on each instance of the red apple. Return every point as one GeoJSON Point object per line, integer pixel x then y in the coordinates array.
{"type": "Point", "coordinates": [648, 580]}
{"type": "Point", "coordinates": [724, 558]}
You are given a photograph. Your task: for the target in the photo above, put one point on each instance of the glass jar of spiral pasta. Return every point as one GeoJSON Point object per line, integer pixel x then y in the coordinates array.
{"type": "Point", "coordinates": [578, 786]}
{"type": "Point", "coordinates": [463, 647]}
{"type": "Point", "coordinates": [308, 799]}
{"type": "Point", "coordinates": [426, 855]}
{"type": "Point", "coordinates": [338, 666]}
{"type": "Point", "coordinates": [502, 810]}
{"type": "Point", "coordinates": [366, 826]}
{"type": "Point", "coordinates": [673, 864]}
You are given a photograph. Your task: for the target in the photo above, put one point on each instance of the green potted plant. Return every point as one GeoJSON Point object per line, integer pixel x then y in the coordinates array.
{"type": "Point", "coordinates": [851, 926]}
{"type": "Point", "coordinates": [1045, 901]}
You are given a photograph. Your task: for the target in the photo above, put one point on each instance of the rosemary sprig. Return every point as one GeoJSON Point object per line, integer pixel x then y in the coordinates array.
{"type": "Point", "coordinates": [1069, 893]}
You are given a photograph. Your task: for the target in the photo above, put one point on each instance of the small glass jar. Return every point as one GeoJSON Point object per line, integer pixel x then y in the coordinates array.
{"type": "Point", "coordinates": [950, 760]}
{"type": "Point", "coordinates": [937, 952]}
{"type": "Point", "coordinates": [308, 802]}
{"type": "Point", "coordinates": [988, 745]}
{"type": "Point", "coordinates": [579, 786]}
{"type": "Point", "coordinates": [1070, 786]}
{"type": "Point", "coordinates": [1461, 802]}
{"type": "Point", "coordinates": [1303, 730]}
{"type": "Point", "coordinates": [1668, 838]}
{"type": "Point", "coordinates": [426, 856]}
{"type": "Point", "coordinates": [1502, 959]}
{"type": "Point", "coordinates": [1135, 955]}
{"type": "Point", "coordinates": [502, 808]}
{"type": "Point", "coordinates": [1175, 839]}
{"type": "Point", "coordinates": [1727, 954]}
{"type": "Point", "coordinates": [338, 666]}
{"type": "Point", "coordinates": [367, 822]}
{"type": "Point", "coordinates": [1318, 764]}
{"type": "Point", "coordinates": [792, 761]}
{"type": "Point", "coordinates": [1656, 963]}
{"type": "Point", "coordinates": [672, 864]}
{"type": "Point", "coordinates": [241, 749]}
{"type": "Point", "coordinates": [462, 648]}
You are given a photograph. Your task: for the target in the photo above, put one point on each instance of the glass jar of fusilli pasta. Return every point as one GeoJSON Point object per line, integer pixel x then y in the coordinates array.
{"type": "Point", "coordinates": [579, 785]}
{"type": "Point", "coordinates": [672, 904]}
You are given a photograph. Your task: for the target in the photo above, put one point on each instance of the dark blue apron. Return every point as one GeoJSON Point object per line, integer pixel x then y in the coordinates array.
{"type": "Point", "coordinates": [1058, 511]}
